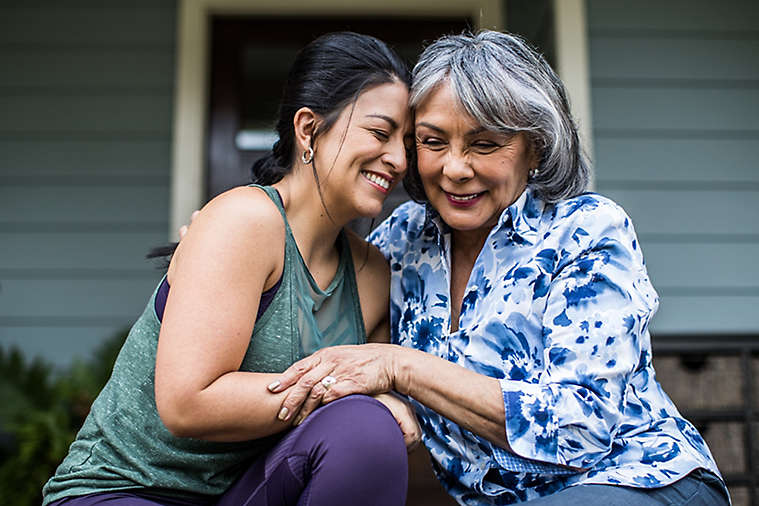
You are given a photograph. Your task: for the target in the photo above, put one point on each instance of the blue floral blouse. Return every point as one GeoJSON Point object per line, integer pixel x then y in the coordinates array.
{"type": "Point", "coordinates": [557, 308]}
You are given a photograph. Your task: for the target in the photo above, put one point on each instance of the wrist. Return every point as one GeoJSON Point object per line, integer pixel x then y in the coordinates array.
{"type": "Point", "coordinates": [401, 369]}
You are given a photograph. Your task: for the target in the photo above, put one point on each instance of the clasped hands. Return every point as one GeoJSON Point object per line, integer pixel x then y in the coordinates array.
{"type": "Point", "coordinates": [356, 369]}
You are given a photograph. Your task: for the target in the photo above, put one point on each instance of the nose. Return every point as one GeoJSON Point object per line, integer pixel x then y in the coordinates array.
{"type": "Point", "coordinates": [456, 167]}
{"type": "Point", "coordinates": [395, 156]}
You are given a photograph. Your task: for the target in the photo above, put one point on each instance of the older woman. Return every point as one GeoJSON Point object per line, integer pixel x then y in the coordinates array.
{"type": "Point", "coordinates": [519, 304]}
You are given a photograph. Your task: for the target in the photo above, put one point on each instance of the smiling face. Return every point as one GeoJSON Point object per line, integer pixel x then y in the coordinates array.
{"type": "Point", "coordinates": [363, 156]}
{"type": "Point", "coordinates": [470, 174]}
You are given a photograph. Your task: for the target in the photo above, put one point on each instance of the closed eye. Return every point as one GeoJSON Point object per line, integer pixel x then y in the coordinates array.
{"type": "Point", "coordinates": [433, 143]}
{"type": "Point", "coordinates": [485, 147]}
{"type": "Point", "coordinates": [380, 134]}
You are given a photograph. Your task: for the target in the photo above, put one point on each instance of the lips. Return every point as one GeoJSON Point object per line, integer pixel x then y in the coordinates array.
{"type": "Point", "coordinates": [463, 199]}
{"type": "Point", "coordinates": [377, 180]}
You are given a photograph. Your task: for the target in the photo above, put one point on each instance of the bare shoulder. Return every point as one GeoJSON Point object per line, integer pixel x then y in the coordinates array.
{"type": "Point", "coordinates": [245, 204]}
{"type": "Point", "coordinates": [242, 214]}
{"type": "Point", "coordinates": [230, 227]}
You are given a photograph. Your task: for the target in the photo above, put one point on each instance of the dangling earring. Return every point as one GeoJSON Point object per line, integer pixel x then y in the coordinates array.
{"type": "Point", "coordinates": [308, 155]}
{"type": "Point", "coordinates": [534, 173]}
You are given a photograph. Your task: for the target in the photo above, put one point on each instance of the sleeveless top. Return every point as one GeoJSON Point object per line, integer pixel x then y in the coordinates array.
{"type": "Point", "coordinates": [124, 445]}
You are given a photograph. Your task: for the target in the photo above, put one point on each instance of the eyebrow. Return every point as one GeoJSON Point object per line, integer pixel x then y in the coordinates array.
{"type": "Point", "coordinates": [471, 132]}
{"type": "Point", "coordinates": [430, 126]}
{"type": "Point", "coordinates": [476, 131]}
{"type": "Point", "coordinates": [386, 118]}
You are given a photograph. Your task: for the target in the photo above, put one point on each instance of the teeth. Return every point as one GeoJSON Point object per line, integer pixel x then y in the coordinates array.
{"type": "Point", "coordinates": [463, 199]}
{"type": "Point", "coordinates": [374, 178]}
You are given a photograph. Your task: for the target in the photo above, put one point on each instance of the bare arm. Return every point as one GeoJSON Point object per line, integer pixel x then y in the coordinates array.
{"type": "Point", "coordinates": [472, 400]}
{"type": "Point", "coordinates": [215, 289]}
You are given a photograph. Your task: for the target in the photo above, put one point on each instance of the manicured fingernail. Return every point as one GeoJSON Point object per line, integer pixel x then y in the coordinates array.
{"type": "Point", "coordinates": [283, 414]}
{"type": "Point", "coordinates": [300, 420]}
{"type": "Point", "coordinates": [273, 385]}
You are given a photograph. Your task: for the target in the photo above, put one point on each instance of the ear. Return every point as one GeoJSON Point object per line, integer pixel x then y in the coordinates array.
{"type": "Point", "coordinates": [304, 123]}
{"type": "Point", "coordinates": [533, 160]}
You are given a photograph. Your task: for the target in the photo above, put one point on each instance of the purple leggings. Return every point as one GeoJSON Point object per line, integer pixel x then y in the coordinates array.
{"type": "Point", "coordinates": [350, 451]}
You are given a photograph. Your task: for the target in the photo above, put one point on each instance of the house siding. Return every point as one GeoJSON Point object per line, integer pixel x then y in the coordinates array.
{"type": "Point", "coordinates": [675, 97]}
{"type": "Point", "coordinates": [85, 141]}
{"type": "Point", "coordinates": [85, 126]}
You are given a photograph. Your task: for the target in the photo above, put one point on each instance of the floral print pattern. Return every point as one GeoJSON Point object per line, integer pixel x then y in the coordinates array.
{"type": "Point", "coordinates": [557, 309]}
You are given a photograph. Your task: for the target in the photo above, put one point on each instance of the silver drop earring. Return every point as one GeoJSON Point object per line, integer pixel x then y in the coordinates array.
{"type": "Point", "coordinates": [308, 155]}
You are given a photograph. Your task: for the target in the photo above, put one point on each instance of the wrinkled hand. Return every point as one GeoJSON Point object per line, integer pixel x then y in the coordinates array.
{"type": "Point", "coordinates": [183, 229]}
{"type": "Point", "coordinates": [404, 414]}
{"type": "Point", "coordinates": [357, 369]}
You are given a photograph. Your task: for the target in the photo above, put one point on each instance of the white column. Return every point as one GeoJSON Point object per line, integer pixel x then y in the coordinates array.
{"type": "Point", "coordinates": [572, 62]}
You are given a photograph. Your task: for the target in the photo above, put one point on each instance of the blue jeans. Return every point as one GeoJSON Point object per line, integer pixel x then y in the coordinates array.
{"type": "Point", "coordinates": [699, 488]}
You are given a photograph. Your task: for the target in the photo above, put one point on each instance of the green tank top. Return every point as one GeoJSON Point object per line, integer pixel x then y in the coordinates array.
{"type": "Point", "coordinates": [124, 445]}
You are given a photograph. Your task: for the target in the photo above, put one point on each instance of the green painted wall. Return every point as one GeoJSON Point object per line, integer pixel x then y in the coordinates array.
{"type": "Point", "coordinates": [86, 91]}
{"type": "Point", "coordinates": [85, 137]}
{"type": "Point", "coordinates": [675, 96]}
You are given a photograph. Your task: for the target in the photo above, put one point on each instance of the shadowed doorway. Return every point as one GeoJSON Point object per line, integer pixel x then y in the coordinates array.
{"type": "Point", "coordinates": [250, 57]}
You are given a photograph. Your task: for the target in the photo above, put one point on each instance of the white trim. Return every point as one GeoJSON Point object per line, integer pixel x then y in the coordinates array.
{"type": "Point", "coordinates": [572, 64]}
{"type": "Point", "coordinates": [190, 99]}
{"type": "Point", "coordinates": [191, 89]}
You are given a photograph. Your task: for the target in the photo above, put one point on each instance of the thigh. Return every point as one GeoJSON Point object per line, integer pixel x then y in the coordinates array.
{"type": "Point", "coordinates": [598, 495]}
{"type": "Point", "coordinates": [696, 489]}
{"type": "Point", "coordinates": [699, 488]}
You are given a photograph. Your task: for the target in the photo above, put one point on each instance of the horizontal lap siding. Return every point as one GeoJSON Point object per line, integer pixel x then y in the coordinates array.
{"type": "Point", "coordinates": [72, 301]}
{"type": "Point", "coordinates": [66, 205]}
{"type": "Point", "coordinates": [675, 90]}
{"type": "Point", "coordinates": [85, 132]}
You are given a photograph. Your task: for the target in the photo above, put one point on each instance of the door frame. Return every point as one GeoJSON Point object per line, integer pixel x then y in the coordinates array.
{"type": "Point", "coordinates": [187, 188]}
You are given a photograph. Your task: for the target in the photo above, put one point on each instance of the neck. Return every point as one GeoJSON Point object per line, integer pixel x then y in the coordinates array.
{"type": "Point", "coordinates": [315, 231]}
{"type": "Point", "coordinates": [467, 244]}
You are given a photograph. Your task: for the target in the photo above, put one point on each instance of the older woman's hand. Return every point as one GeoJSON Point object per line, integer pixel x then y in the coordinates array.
{"type": "Point", "coordinates": [335, 372]}
{"type": "Point", "coordinates": [183, 229]}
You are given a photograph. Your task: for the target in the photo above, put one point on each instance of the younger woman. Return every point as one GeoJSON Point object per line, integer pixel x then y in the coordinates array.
{"type": "Point", "coordinates": [266, 276]}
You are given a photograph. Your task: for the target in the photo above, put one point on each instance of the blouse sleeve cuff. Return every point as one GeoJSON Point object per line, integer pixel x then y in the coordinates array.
{"type": "Point", "coordinates": [535, 431]}
{"type": "Point", "coordinates": [531, 424]}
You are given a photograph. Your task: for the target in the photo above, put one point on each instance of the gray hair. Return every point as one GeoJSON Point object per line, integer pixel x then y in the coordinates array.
{"type": "Point", "coordinates": [508, 87]}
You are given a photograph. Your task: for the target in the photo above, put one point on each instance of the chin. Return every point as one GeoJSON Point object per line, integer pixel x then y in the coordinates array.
{"type": "Point", "coordinates": [367, 208]}
{"type": "Point", "coordinates": [461, 223]}
{"type": "Point", "coordinates": [371, 211]}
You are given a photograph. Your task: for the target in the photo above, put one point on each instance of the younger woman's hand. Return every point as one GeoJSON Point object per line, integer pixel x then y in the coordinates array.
{"type": "Point", "coordinates": [404, 414]}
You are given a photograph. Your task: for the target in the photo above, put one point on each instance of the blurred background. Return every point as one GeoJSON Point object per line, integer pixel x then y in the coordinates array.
{"type": "Point", "coordinates": [119, 118]}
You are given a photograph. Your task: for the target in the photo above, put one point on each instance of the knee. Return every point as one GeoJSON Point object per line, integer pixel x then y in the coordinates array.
{"type": "Point", "coordinates": [362, 419]}
{"type": "Point", "coordinates": [354, 450]}
{"type": "Point", "coordinates": [362, 428]}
